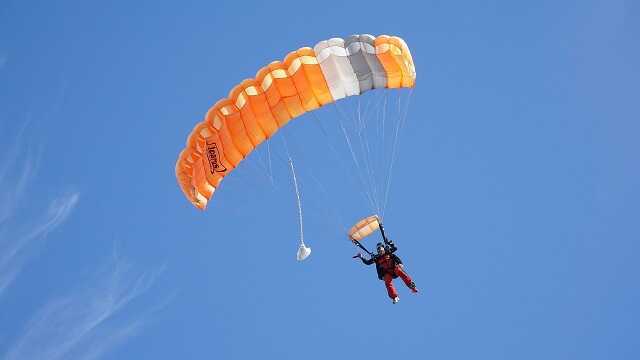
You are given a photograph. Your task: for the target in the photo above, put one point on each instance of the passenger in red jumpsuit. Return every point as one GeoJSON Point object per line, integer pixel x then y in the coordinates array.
{"type": "Point", "coordinates": [389, 266]}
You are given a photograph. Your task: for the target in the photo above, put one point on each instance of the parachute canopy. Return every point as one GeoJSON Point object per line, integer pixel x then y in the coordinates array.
{"type": "Point", "coordinates": [364, 228]}
{"type": "Point", "coordinates": [256, 108]}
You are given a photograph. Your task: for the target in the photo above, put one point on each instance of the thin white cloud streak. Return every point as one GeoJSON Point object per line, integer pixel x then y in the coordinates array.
{"type": "Point", "coordinates": [14, 249]}
{"type": "Point", "coordinates": [17, 170]}
{"type": "Point", "coordinates": [9, 198]}
{"type": "Point", "coordinates": [11, 189]}
{"type": "Point", "coordinates": [89, 322]}
{"type": "Point", "coordinates": [86, 323]}
{"type": "Point", "coordinates": [102, 344]}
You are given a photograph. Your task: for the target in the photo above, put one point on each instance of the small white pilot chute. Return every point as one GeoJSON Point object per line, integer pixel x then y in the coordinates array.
{"type": "Point", "coordinates": [303, 250]}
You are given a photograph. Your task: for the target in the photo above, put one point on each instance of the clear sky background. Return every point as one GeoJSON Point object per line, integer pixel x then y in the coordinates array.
{"type": "Point", "coordinates": [514, 200]}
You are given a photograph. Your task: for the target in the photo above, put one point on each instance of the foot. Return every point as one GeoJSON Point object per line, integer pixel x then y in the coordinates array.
{"type": "Point", "coordinates": [395, 299]}
{"type": "Point", "coordinates": [413, 288]}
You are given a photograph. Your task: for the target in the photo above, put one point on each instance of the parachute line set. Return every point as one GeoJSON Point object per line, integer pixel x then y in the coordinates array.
{"type": "Point", "coordinates": [307, 79]}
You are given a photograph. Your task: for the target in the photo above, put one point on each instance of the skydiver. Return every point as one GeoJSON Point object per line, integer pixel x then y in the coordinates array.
{"type": "Point", "coordinates": [389, 266]}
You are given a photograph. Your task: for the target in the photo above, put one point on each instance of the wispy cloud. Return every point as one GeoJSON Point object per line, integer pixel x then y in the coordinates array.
{"type": "Point", "coordinates": [17, 171]}
{"type": "Point", "coordinates": [88, 322]}
{"type": "Point", "coordinates": [11, 186]}
{"type": "Point", "coordinates": [14, 249]}
{"type": "Point", "coordinates": [10, 196]}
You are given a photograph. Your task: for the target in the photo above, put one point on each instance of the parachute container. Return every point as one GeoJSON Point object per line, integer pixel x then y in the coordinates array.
{"type": "Point", "coordinates": [364, 228]}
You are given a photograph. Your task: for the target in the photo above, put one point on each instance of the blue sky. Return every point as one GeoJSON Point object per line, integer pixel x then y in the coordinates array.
{"type": "Point", "coordinates": [514, 199]}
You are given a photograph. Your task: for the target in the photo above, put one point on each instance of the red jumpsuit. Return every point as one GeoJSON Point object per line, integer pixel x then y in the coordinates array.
{"type": "Point", "coordinates": [388, 268]}
{"type": "Point", "coordinates": [390, 271]}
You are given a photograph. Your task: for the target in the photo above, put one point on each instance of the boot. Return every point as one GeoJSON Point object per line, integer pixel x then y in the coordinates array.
{"type": "Point", "coordinates": [413, 287]}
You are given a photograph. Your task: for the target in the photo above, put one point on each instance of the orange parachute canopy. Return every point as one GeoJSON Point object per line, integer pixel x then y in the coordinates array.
{"type": "Point", "coordinates": [256, 108]}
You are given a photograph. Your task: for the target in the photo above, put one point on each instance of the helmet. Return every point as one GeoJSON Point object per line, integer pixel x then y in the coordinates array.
{"type": "Point", "coordinates": [380, 245]}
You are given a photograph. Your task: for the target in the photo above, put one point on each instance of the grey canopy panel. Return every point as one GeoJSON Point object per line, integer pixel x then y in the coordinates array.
{"type": "Point", "coordinates": [361, 52]}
